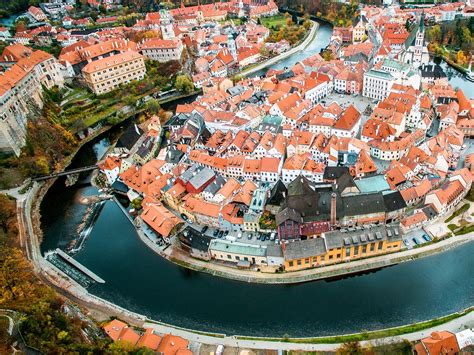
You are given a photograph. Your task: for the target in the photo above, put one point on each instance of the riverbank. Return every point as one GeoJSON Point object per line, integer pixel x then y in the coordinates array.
{"type": "Point", "coordinates": [456, 66]}
{"type": "Point", "coordinates": [181, 258]}
{"type": "Point", "coordinates": [309, 38]}
{"type": "Point", "coordinates": [70, 289]}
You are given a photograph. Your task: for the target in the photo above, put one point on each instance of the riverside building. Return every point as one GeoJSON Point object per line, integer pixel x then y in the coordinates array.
{"type": "Point", "coordinates": [108, 73]}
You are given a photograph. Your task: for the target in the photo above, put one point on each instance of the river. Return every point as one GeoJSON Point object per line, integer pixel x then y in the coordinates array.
{"type": "Point", "coordinates": [138, 279]}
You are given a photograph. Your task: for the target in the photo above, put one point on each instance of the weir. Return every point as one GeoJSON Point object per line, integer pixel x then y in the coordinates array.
{"type": "Point", "coordinates": [79, 266]}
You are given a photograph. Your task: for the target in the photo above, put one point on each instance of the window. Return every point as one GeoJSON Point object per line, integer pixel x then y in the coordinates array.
{"type": "Point", "coordinates": [299, 262]}
{"type": "Point", "coordinates": [229, 256]}
{"type": "Point", "coordinates": [380, 245]}
{"type": "Point", "coordinates": [356, 250]}
{"type": "Point", "coordinates": [364, 249]}
{"type": "Point", "coordinates": [372, 246]}
{"type": "Point", "coordinates": [290, 263]}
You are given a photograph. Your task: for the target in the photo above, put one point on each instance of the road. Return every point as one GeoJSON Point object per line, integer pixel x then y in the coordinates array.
{"type": "Point", "coordinates": [9, 314]}
{"type": "Point", "coordinates": [455, 325]}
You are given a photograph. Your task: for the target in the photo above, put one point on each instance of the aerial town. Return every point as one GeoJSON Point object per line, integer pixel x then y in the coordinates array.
{"type": "Point", "coordinates": [242, 153]}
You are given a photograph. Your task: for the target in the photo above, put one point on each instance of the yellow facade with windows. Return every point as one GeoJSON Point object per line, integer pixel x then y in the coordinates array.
{"type": "Point", "coordinates": [348, 250]}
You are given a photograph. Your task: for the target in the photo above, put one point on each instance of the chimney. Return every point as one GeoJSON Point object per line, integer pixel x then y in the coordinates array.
{"type": "Point", "coordinates": [333, 209]}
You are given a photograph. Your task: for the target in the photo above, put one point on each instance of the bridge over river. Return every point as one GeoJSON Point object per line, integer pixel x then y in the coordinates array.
{"type": "Point", "coordinates": [67, 172]}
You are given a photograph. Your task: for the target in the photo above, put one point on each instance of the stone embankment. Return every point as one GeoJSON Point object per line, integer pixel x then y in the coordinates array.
{"type": "Point", "coordinates": [78, 294]}
{"type": "Point", "coordinates": [181, 258]}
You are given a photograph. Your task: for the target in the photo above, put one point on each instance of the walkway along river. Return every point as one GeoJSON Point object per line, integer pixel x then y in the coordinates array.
{"type": "Point", "coordinates": [139, 280]}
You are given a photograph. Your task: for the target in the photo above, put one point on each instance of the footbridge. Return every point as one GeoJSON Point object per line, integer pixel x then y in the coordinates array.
{"type": "Point", "coordinates": [65, 173]}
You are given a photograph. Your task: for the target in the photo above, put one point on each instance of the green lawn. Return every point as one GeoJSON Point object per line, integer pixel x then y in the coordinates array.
{"type": "Point", "coordinates": [273, 21]}
{"type": "Point", "coordinates": [463, 209]}
{"type": "Point", "coordinates": [397, 331]}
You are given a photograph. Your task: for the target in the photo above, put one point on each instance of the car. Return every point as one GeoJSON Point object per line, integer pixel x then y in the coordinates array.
{"type": "Point", "coordinates": [226, 233]}
{"type": "Point", "coordinates": [416, 241]}
{"type": "Point", "coordinates": [215, 233]}
{"type": "Point", "coordinates": [204, 229]}
{"type": "Point", "coordinates": [406, 242]}
{"type": "Point", "coordinates": [183, 216]}
{"type": "Point", "coordinates": [249, 236]}
{"type": "Point", "coordinates": [221, 234]}
{"type": "Point", "coordinates": [267, 237]}
{"type": "Point", "coordinates": [258, 237]}
{"type": "Point", "coordinates": [239, 236]}
{"type": "Point", "coordinates": [426, 237]}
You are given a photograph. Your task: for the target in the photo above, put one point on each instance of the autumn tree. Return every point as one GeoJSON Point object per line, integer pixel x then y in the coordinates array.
{"type": "Point", "coordinates": [7, 213]}
{"type": "Point", "coordinates": [461, 58]}
{"type": "Point", "coordinates": [352, 348]}
{"type": "Point", "coordinates": [184, 84]}
{"type": "Point", "coordinates": [153, 106]}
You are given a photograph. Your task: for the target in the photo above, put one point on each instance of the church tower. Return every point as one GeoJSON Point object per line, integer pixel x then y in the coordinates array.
{"type": "Point", "coordinates": [420, 40]}
{"type": "Point", "coordinates": [166, 24]}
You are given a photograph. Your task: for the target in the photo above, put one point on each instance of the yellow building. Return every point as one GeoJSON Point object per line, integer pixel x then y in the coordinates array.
{"type": "Point", "coordinates": [108, 73]}
{"type": "Point", "coordinates": [337, 246]}
{"type": "Point", "coordinates": [358, 32]}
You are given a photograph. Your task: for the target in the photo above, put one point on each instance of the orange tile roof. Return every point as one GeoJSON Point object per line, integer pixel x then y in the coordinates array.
{"type": "Point", "coordinates": [128, 335]}
{"type": "Point", "coordinates": [414, 219]}
{"type": "Point", "coordinates": [113, 60]}
{"type": "Point", "coordinates": [149, 340]}
{"type": "Point", "coordinates": [229, 188]}
{"type": "Point", "coordinates": [348, 119]}
{"type": "Point", "coordinates": [151, 43]}
{"type": "Point", "coordinates": [172, 344]}
{"type": "Point", "coordinates": [442, 342]}
{"type": "Point", "coordinates": [114, 328]}
{"type": "Point", "coordinates": [194, 205]}
{"type": "Point", "coordinates": [160, 218]}
{"type": "Point", "coordinates": [246, 193]}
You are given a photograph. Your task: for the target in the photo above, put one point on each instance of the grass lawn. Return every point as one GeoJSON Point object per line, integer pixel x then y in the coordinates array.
{"type": "Point", "coordinates": [273, 21]}
{"type": "Point", "coordinates": [463, 209]}
{"type": "Point", "coordinates": [397, 331]}
{"type": "Point", "coordinates": [237, 21]}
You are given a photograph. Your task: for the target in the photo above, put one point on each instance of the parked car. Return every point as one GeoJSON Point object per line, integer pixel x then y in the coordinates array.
{"type": "Point", "coordinates": [220, 234]}
{"type": "Point", "coordinates": [225, 233]}
{"type": "Point", "coordinates": [249, 236]}
{"type": "Point", "coordinates": [416, 241]}
{"type": "Point", "coordinates": [406, 242]}
{"type": "Point", "coordinates": [204, 229]}
{"type": "Point", "coordinates": [215, 233]}
{"type": "Point", "coordinates": [239, 235]}
{"type": "Point", "coordinates": [426, 237]}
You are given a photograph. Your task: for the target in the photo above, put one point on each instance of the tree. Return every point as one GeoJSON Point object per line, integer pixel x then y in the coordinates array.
{"type": "Point", "coordinates": [153, 106]}
{"type": "Point", "coordinates": [7, 213]}
{"type": "Point", "coordinates": [466, 38]}
{"type": "Point", "coordinates": [327, 55]}
{"type": "Point", "coordinates": [184, 84]}
{"type": "Point", "coordinates": [461, 58]}
{"type": "Point", "coordinates": [136, 204]}
{"type": "Point", "coordinates": [264, 51]}
{"type": "Point", "coordinates": [352, 348]}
